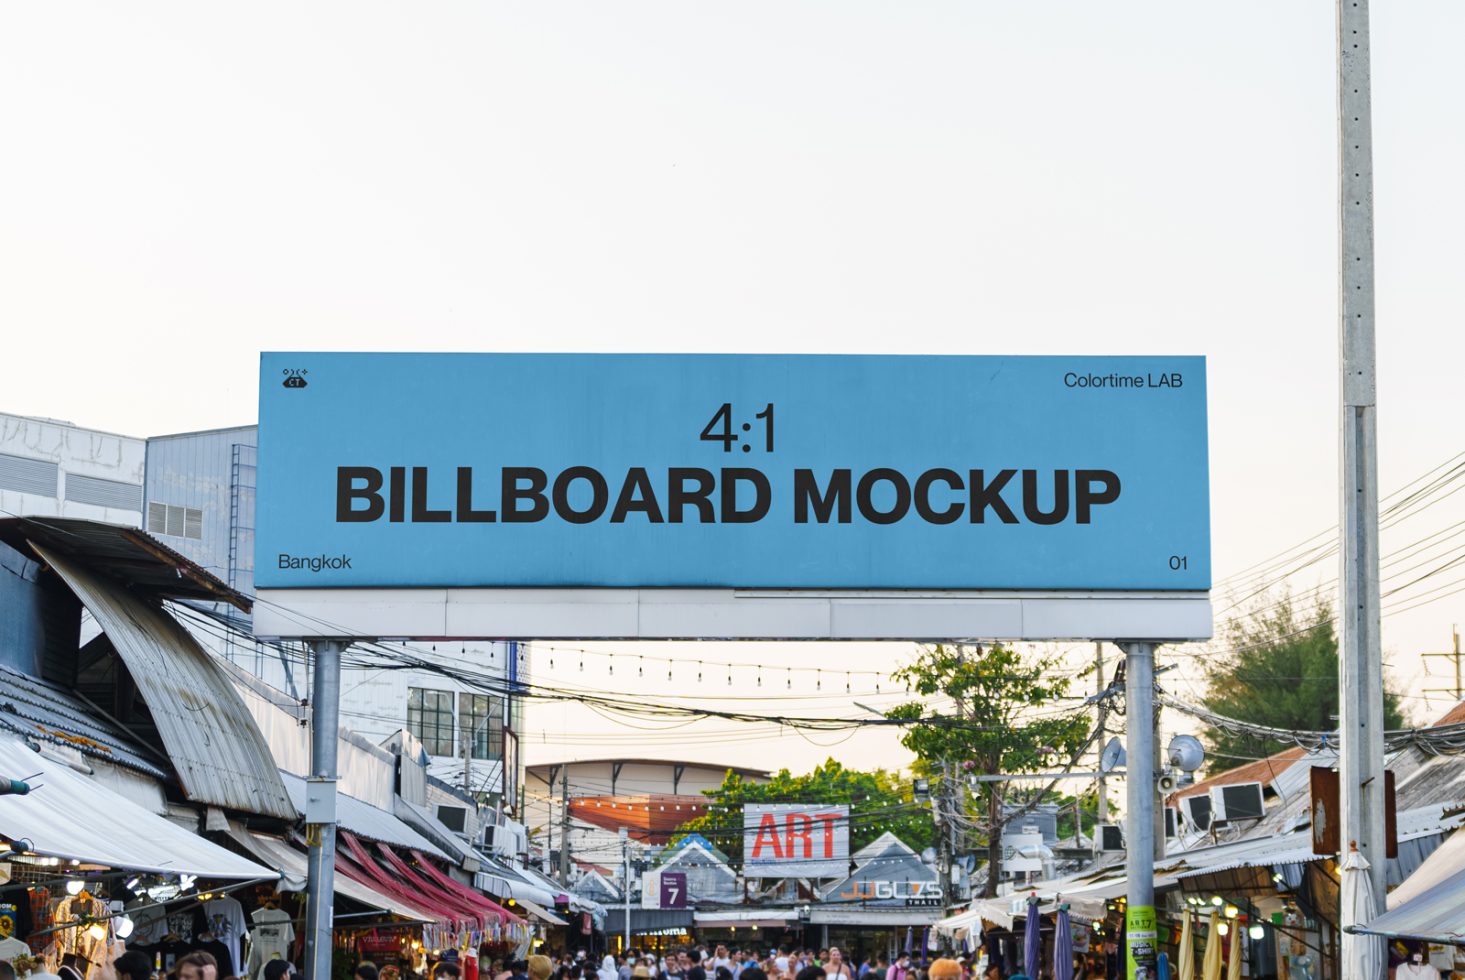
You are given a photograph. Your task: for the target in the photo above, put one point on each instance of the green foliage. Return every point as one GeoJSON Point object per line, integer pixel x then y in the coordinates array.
{"type": "Point", "coordinates": [1088, 807]}
{"type": "Point", "coordinates": [1280, 670]}
{"type": "Point", "coordinates": [998, 695]}
{"type": "Point", "coordinates": [1002, 720]}
{"type": "Point", "coordinates": [879, 801]}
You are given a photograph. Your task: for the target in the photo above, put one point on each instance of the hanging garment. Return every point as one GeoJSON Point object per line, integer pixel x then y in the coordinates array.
{"type": "Point", "coordinates": [225, 919]}
{"type": "Point", "coordinates": [270, 939]}
{"type": "Point", "coordinates": [78, 939]}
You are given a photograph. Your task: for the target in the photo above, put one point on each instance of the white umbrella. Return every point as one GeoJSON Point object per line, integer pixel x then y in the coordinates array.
{"type": "Point", "coordinates": [1363, 956]}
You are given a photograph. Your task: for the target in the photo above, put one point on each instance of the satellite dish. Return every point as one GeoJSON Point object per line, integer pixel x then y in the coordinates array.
{"type": "Point", "coordinates": [1114, 755]}
{"type": "Point", "coordinates": [1186, 753]}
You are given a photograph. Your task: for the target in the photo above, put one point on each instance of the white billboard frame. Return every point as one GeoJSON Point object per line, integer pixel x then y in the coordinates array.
{"type": "Point", "coordinates": [733, 614]}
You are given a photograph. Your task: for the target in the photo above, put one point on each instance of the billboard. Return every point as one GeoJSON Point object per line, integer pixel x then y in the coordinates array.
{"type": "Point", "coordinates": [795, 840]}
{"type": "Point", "coordinates": [512, 471]}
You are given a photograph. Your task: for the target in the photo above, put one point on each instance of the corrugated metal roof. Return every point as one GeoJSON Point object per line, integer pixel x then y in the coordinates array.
{"type": "Point", "coordinates": [123, 553]}
{"type": "Point", "coordinates": [422, 820]}
{"type": "Point", "coordinates": [210, 736]}
{"type": "Point", "coordinates": [365, 820]}
{"type": "Point", "coordinates": [1263, 771]}
{"type": "Point", "coordinates": [41, 710]}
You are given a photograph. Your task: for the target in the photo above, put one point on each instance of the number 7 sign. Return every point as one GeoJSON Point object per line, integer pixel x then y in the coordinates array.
{"type": "Point", "coordinates": [673, 889]}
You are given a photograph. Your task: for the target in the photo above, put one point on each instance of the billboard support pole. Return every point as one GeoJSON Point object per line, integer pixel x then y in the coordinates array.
{"type": "Point", "coordinates": [320, 807]}
{"type": "Point", "coordinates": [1360, 660]}
{"type": "Point", "coordinates": [1139, 788]}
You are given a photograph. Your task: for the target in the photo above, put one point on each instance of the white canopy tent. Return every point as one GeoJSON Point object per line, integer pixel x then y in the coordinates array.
{"type": "Point", "coordinates": [67, 815]}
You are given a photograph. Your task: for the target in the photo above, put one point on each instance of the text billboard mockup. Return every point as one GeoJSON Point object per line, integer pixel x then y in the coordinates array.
{"type": "Point", "coordinates": [732, 471]}
{"type": "Point", "coordinates": [795, 840]}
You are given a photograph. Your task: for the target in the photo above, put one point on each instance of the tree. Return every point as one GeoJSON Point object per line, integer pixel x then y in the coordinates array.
{"type": "Point", "coordinates": [879, 801]}
{"type": "Point", "coordinates": [997, 726]}
{"type": "Point", "coordinates": [1280, 670]}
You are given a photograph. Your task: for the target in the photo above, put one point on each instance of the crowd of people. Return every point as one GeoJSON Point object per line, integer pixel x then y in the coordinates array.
{"type": "Point", "coordinates": [783, 963]}
{"type": "Point", "coordinates": [692, 963]}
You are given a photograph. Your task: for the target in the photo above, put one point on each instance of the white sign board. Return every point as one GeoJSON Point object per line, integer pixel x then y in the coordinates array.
{"type": "Point", "coordinates": [795, 840]}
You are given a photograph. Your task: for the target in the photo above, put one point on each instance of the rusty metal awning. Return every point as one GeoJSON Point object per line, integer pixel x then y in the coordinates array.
{"type": "Point", "coordinates": [208, 732]}
{"type": "Point", "coordinates": [123, 553]}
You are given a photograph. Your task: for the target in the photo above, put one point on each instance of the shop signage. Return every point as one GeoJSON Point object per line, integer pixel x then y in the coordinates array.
{"type": "Point", "coordinates": [794, 840]}
{"type": "Point", "coordinates": [912, 894]}
{"type": "Point", "coordinates": [732, 471]}
{"type": "Point", "coordinates": [673, 890]}
{"type": "Point", "coordinates": [664, 890]}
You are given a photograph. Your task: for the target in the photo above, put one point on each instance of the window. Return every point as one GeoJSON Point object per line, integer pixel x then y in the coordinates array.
{"type": "Point", "coordinates": [180, 522]}
{"type": "Point", "coordinates": [430, 718]}
{"type": "Point", "coordinates": [483, 723]}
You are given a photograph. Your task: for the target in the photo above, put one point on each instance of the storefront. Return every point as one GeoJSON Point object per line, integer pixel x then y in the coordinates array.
{"type": "Point", "coordinates": [84, 867]}
{"type": "Point", "coordinates": [652, 930]}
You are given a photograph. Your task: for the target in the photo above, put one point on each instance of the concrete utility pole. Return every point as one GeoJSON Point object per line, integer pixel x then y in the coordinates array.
{"type": "Point", "coordinates": [1103, 811]}
{"type": "Point", "coordinates": [626, 888]}
{"type": "Point", "coordinates": [1141, 934]}
{"type": "Point", "coordinates": [941, 809]}
{"type": "Point", "coordinates": [1360, 659]}
{"type": "Point", "coordinates": [320, 807]}
{"type": "Point", "coordinates": [1459, 689]}
{"type": "Point", "coordinates": [565, 827]}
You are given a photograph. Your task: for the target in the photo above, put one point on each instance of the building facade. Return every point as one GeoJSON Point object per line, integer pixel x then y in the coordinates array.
{"type": "Point", "coordinates": [50, 468]}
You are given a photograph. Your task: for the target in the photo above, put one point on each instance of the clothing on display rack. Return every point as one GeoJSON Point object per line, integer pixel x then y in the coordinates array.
{"type": "Point", "coordinates": [225, 919]}
{"type": "Point", "coordinates": [269, 939]}
{"type": "Point", "coordinates": [10, 948]}
{"type": "Point", "coordinates": [206, 943]}
{"type": "Point", "coordinates": [78, 939]}
{"type": "Point", "coordinates": [40, 903]}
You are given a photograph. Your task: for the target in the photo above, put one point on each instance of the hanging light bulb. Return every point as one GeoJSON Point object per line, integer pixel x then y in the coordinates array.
{"type": "Point", "coordinates": [1217, 901]}
{"type": "Point", "coordinates": [122, 926]}
{"type": "Point", "coordinates": [1223, 929]}
{"type": "Point", "coordinates": [73, 886]}
{"type": "Point", "coordinates": [1232, 911]}
{"type": "Point", "coordinates": [97, 931]}
{"type": "Point", "coordinates": [1256, 931]}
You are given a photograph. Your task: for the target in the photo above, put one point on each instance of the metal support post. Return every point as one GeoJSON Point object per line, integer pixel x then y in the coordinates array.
{"type": "Point", "coordinates": [320, 807]}
{"type": "Point", "coordinates": [565, 827]}
{"type": "Point", "coordinates": [1139, 816]}
{"type": "Point", "coordinates": [1103, 810]}
{"type": "Point", "coordinates": [1360, 660]}
{"type": "Point", "coordinates": [626, 886]}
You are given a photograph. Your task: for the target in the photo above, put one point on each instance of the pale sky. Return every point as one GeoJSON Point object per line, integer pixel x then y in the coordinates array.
{"type": "Point", "coordinates": [186, 185]}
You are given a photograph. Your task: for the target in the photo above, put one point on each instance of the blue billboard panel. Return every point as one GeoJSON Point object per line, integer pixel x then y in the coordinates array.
{"type": "Point", "coordinates": [732, 471]}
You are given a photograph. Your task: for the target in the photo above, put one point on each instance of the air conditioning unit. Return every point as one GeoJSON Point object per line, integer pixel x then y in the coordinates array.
{"type": "Point", "coordinates": [1239, 801]}
{"type": "Point", "coordinates": [1110, 837]}
{"type": "Point", "coordinates": [505, 840]}
{"type": "Point", "coordinates": [1172, 819]}
{"type": "Point", "coordinates": [1197, 812]}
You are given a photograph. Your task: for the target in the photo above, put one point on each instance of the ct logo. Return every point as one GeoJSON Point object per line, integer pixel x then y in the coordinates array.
{"type": "Point", "coordinates": [295, 377]}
